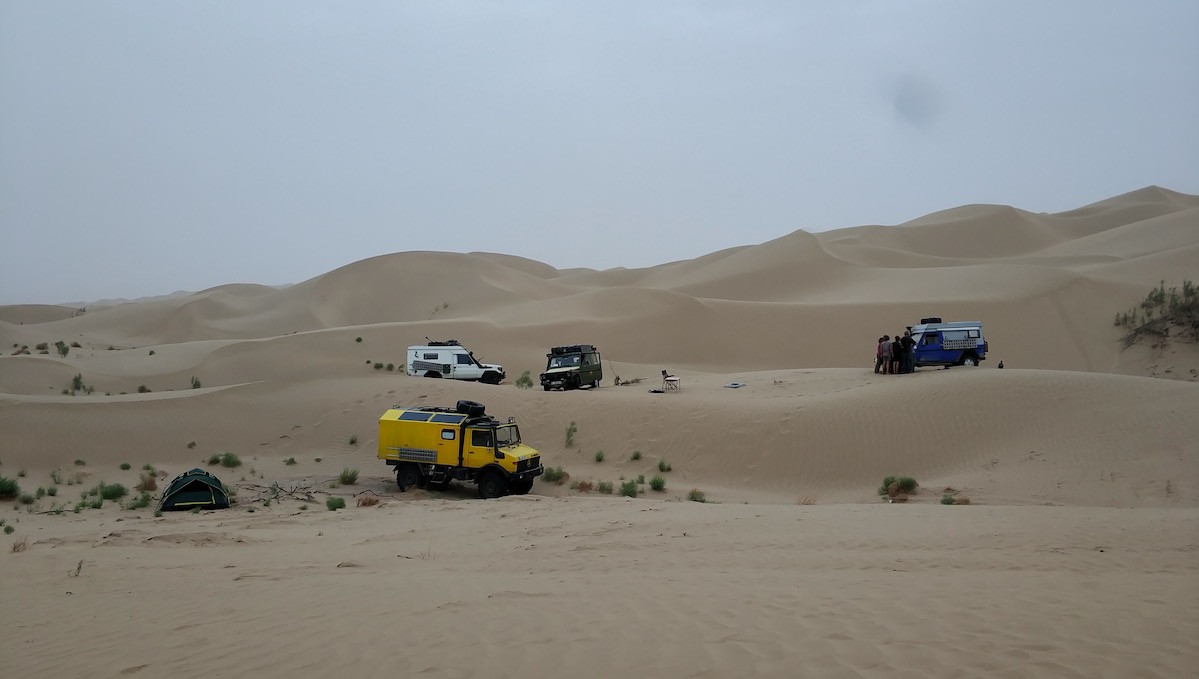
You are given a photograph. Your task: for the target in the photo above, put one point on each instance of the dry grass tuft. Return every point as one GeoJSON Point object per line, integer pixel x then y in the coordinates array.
{"type": "Point", "coordinates": [20, 545]}
{"type": "Point", "coordinates": [806, 501]}
{"type": "Point", "coordinates": [367, 501]}
{"type": "Point", "coordinates": [584, 486]}
{"type": "Point", "coordinates": [961, 500]}
{"type": "Point", "coordinates": [147, 483]}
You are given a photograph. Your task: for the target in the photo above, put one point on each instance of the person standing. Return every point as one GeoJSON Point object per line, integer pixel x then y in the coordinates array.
{"type": "Point", "coordinates": [896, 355]}
{"type": "Point", "coordinates": [909, 352]}
{"type": "Point", "coordinates": [878, 356]}
{"type": "Point", "coordinates": [885, 348]}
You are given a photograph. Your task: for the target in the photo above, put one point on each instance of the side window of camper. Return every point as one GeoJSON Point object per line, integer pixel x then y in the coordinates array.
{"type": "Point", "coordinates": [430, 357]}
{"type": "Point", "coordinates": [463, 359]}
{"type": "Point", "coordinates": [974, 334]}
{"type": "Point", "coordinates": [447, 434]}
{"type": "Point", "coordinates": [480, 438]}
{"type": "Point", "coordinates": [954, 335]}
{"type": "Point", "coordinates": [930, 338]}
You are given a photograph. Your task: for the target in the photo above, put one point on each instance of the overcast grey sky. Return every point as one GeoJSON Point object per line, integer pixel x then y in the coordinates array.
{"type": "Point", "coordinates": [147, 147]}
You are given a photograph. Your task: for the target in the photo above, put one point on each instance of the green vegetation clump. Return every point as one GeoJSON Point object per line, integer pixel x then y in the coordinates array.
{"type": "Point", "coordinates": [9, 488]}
{"type": "Point", "coordinates": [195, 382]}
{"type": "Point", "coordinates": [525, 381]}
{"type": "Point", "coordinates": [663, 466]}
{"type": "Point", "coordinates": [604, 487]}
{"type": "Point", "coordinates": [657, 483]}
{"type": "Point", "coordinates": [1162, 311]}
{"type": "Point", "coordinates": [146, 482]}
{"type": "Point", "coordinates": [109, 491]}
{"type": "Point", "coordinates": [948, 500]}
{"type": "Point", "coordinates": [570, 434]}
{"type": "Point", "coordinates": [599, 456]}
{"type": "Point", "coordinates": [900, 484]}
{"type": "Point", "coordinates": [555, 475]}
{"type": "Point", "coordinates": [143, 389]}
{"type": "Point", "coordinates": [697, 495]}
{"type": "Point", "coordinates": [80, 463]}
{"type": "Point", "coordinates": [8, 530]}
{"type": "Point", "coordinates": [353, 439]}
{"type": "Point", "coordinates": [214, 459]}
{"type": "Point", "coordinates": [230, 460]}
{"type": "Point", "coordinates": [52, 491]}
{"type": "Point", "coordinates": [348, 477]}
{"type": "Point", "coordinates": [140, 502]}
{"type": "Point", "coordinates": [26, 499]}
{"type": "Point", "coordinates": [378, 365]}
{"type": "Point", "coordinates": [125, 466]}
{"type": "Point", "coordinates": [391, 367]}
{"type": "Point", "coordinates": [636, 455]}
{"type": "Point", "coordinates": [191, 444]}
{"type": "Point", "coordinates": [290, 461]}
{"type": "Point", "coordinates": [357, 339]}
{"type": "Point", "coordinates": [62, 347]}
{"type": "Point", "coordinates": [335, 503]}
{"type": "Point", "coordinates": [628, 489]}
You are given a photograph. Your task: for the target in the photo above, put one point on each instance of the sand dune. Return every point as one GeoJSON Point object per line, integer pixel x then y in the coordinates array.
{"type": "Point", "coordinates": [1075, 558]}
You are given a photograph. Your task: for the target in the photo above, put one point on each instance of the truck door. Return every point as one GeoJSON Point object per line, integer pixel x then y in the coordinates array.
{"type": "Point", "coordinates": [464, 367]}
{"type": "Point", "coordinates": [928, 350]}
{"type": "Point", "coordinates": [481, 448]}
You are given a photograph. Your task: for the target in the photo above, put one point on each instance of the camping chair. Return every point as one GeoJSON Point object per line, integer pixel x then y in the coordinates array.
{"type": "Point", "coordinates": [669, 382]}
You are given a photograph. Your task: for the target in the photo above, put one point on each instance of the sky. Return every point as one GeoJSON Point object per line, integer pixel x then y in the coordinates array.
{"type": "Point", "coordinates": [154, 146]}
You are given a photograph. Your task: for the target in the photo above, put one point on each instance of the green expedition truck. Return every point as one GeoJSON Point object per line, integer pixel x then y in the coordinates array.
{"type": "Point", "coordinates": [572, 366]}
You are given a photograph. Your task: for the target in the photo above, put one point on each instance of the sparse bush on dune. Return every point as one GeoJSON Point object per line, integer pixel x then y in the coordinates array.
{"type": "Point", "coordinates": [658, 483]}
{"type": "Point", "coordinates": [146, 482]}
{"type": "Point", "coordinates": [230, 460]}
{"type": "Point", "coordinates": [525, 381]}
{"type": "Point", "coordinates": [9, 488]}
{"type": "Point", "coordinates": [335, 503]}
{"type": "Point", "coordinates": [636, 455]}
{"type": "Point", "coordinates": [893, 485]}
{"type": "Point", "coordinates": [571, 430]}
{"type": "Point", "coordinates": [582, 486]}
{"type": "Point", "coordinates": [125, 466]}
{"type": "Point", "coordinates": [555, 475]}
{"type": "Point", "coordinates": [663, 466]}
{"type": "Point", "coordinates": [1162, 310]}
{"type": "Point", "coordinates": [604, 487]}
{"type": "Point", "coordinates": [628, 489]}
{"type": "Point", "coordinates": [214, 459]}
{"type": "Point", "coordinates": [697, 495]}
{"type": "Point", "coordinates": [348, 477]}
{"type": "Point", "coordinates": [599, 456]}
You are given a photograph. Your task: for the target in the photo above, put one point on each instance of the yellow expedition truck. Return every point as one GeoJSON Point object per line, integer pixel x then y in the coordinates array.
{"type": "Point", "coordinates": [430, 446]}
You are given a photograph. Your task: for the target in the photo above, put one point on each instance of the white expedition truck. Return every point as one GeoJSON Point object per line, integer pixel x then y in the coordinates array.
{"type": "Point", "coordinates": [449, 359]}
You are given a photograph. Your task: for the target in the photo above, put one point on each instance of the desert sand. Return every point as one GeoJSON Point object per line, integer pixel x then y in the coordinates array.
{"type": "Point", "coordinates": [1078, 555]}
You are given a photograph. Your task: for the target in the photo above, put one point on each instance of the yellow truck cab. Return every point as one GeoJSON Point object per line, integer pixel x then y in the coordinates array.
{"type": "Point", "coordinates": [432, 446]}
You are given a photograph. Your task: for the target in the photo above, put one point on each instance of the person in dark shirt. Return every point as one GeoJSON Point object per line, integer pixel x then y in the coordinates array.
{"type": "Point", "coordinates": [909, 353]}
{"type": "Point", "coordinates": [878, 356]}
{"type": "Point", "coordinates": [896, 355]}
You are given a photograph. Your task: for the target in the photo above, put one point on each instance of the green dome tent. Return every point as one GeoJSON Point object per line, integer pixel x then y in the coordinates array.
{"type": "Point", "coordinates": [194, 489]}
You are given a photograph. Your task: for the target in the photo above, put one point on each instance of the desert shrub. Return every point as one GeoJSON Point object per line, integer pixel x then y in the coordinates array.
{"type": "Point", "coordinates": [195, 382]}
{"type": "Point", "coordinates": [20, 545]}
{"type": "Point", "coordinates": [77, 345]}
{"type": "Point", "coordinates": [335, 503]}
{"type": "Point", "coordinates": [1161, 311]}
{"type": "Point", "coordinates": [80, 463]}
{"type": "Point", "coordinates": [143, 389]}
{"type": "Point", "coordinates": [583, 486]}
{"type": "Point", "coordinates": [191, 444]}
{"type": "Point", "coordinates": [948, 500]}
{"type": "Point", "coordinates": [663, 466]}
{"type": "Point", "coordinates": [378, 365]}
{"type": "Point", "coordinates": [303, 508]}
{"type": "Point", "coordinates": [657, 483]}
{"type": "Point", "coordinates": [26, 499]}
{"type": "Point", "coordinates": [146, 482]}
{"type": "Point", "coordinates": [147, 467]}
{"type": "Point", "coordinates": [40, 346]}
{"type": "Point", "coordinates": [63, 348]}
{"type": "Point", "coordinates": [636, 455]}
{"type": "Point", "coordinates": [214, 459]}
{"type": "Point", "coordinates": [357, 339]}
{"type": "Point", "coordinates": [152, 352]}
{"type": "Point", "coordinates": [555, 475]}
{"type": "Point", "coordinates": [9, 488]}
{"type": "Point", "coordinates": [525, 381]}
{"type": "Point", "coordinates": [570, 434]}
{"type": "Point", "coordinates": [368, 501]}
{"type": "Point", "coordinates": [291, 461]}
{"type": "Point", "coordinates": [230, 460]}
{"type": "Point", "coordinates": [77, 382]}
{"type": "Point", "coordinates": [8, 530]}
{"type": "Point", "coordinates": [125, 466]}
{"type": "Point", "coordinates": [604, 487]}
{"type": "Point", "coordinates": [140, 502]}
{"type": "Point", "coordinates": [52, 491]}
{"type": "Point", "coordinates": [109, 491]}
{"type": "Point", "coordinates": [21, 473]}
{"type": "Point", "coordinates": [353, 439]}
{"type": "Point", "coordinates": [961, 500]}
{"type": "Point", "coordinates": [599, 456]}
{"type": "Point", "coordinates": [391, 367]}
{"type": "Point", "coordinates": [316, 459]}
{"type": "Point", "coordinates": [906, 484]}
{"type": "Point", "coordinates": [56, 476]}
{"type": "Point", "coordinates": [41, 493]}
{"type": "Point", "coordinates": [640, 479]}
{"type": "Point", "coordinates": [697, 495]}
{"type": "Point", "coordinates": [628, 489]}
{"type": "Point", "coordinates": [348, 477]}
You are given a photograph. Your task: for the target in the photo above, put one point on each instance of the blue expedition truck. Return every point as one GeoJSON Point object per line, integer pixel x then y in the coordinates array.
{"type": "Point", "coordinates": [947, 344]}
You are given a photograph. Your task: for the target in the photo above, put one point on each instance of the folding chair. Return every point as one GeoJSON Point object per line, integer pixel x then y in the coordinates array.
{"type": "Point", "coordinates": [669, 382]}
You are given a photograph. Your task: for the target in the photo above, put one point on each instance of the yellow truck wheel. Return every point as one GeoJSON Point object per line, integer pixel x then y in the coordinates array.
{"type": "Point", "coordinates": [492, 484]}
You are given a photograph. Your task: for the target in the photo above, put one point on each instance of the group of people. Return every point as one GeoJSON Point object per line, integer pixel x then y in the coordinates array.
{"type": "Point", "coordinates": [895, 356]}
